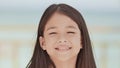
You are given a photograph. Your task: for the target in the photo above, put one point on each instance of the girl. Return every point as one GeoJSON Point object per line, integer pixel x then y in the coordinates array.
{"type": "Point", "coordinates": [62, 40]}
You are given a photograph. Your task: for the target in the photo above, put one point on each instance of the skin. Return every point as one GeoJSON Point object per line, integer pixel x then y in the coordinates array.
{"type": "Point", "coordinates": [62, 40]}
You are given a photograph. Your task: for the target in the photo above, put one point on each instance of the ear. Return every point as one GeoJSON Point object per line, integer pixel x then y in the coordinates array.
{"type": "Point", "coordinates": [42, 42]}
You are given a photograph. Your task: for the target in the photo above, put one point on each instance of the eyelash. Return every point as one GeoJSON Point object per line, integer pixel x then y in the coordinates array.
{"type": "Point", "coordinates": [71, 32]}
{"type": "Point", "coordinates": [52, 33]}
{"type": "Point", "coordinates": [56, 33]}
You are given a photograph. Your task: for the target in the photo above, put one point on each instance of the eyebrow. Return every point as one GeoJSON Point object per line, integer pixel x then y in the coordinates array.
{"type": "Point", "coordinates": [53, 27]}
{"type": "Point", "coordinates": [73, 27]}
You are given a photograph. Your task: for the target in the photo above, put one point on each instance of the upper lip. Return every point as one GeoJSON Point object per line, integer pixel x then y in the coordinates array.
{"type": "Point", "coordinates": [63, 46]}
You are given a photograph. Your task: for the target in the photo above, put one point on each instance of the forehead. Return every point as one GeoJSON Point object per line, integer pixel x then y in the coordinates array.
{"type": "Point", "coordinates": [58, 20]}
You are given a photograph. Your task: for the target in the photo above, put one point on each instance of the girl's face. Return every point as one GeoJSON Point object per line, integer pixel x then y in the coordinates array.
{"type": "Point", "coordinates": [62, 38]}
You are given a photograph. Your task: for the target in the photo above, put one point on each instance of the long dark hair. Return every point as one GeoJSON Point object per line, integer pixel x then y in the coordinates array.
{"type": "Point", "coordinates": [85, 58]}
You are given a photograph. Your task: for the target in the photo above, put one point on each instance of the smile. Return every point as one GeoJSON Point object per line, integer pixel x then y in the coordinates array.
{"type": "Point", "coordinates": [63, 48]}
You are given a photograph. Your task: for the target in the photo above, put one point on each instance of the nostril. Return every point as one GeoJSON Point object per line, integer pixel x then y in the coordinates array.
{"type": "Point", "coordinates": [62, 41]}
{"type": "Point", "coordinates": [59, 41]}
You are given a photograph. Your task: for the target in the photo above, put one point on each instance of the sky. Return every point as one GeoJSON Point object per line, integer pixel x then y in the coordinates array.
{"type": "Point", "coordinates": [113, 5]}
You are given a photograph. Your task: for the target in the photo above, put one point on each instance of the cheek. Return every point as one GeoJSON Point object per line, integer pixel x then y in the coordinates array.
{"type": "Point", "coordinates": [76, 45]}
{"type": "Point", "coordinates": [76, 41]}
{"type": "Point", "coordinates": [49, 41]}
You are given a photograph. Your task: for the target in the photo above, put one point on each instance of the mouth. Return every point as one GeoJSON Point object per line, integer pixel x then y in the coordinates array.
{"type": "Point", "coordinates": [63, 48]}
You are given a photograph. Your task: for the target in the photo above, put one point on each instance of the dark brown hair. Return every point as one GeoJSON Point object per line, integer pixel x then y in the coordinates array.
{"type": "Point", "coordinates": [85, 58]}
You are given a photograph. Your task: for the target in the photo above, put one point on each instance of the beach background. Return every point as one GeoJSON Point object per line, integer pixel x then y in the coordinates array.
{"type": "Point", "coordinates": [19, 20]}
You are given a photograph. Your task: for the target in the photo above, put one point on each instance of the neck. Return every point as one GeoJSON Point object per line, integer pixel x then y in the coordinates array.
{"type": "Point", "coordinates": [71, 63]}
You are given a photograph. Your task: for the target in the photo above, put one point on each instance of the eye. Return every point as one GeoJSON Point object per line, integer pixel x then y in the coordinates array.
{"type": "Point", "coordinates": [70, 32]}
{"type": "Point", "coordinates": [52, 33]}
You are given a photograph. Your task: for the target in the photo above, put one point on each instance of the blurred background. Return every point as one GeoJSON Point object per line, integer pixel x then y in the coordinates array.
{"type": "Point", "coordinates": [19, 20]}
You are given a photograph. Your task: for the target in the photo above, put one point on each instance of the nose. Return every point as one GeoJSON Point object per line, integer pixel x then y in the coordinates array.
{"type": "Point", "coordinates": [62, 40]}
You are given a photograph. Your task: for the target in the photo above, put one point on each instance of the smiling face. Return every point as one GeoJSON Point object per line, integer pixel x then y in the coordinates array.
{"type": "Point", "coordinates": [62, 38]}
